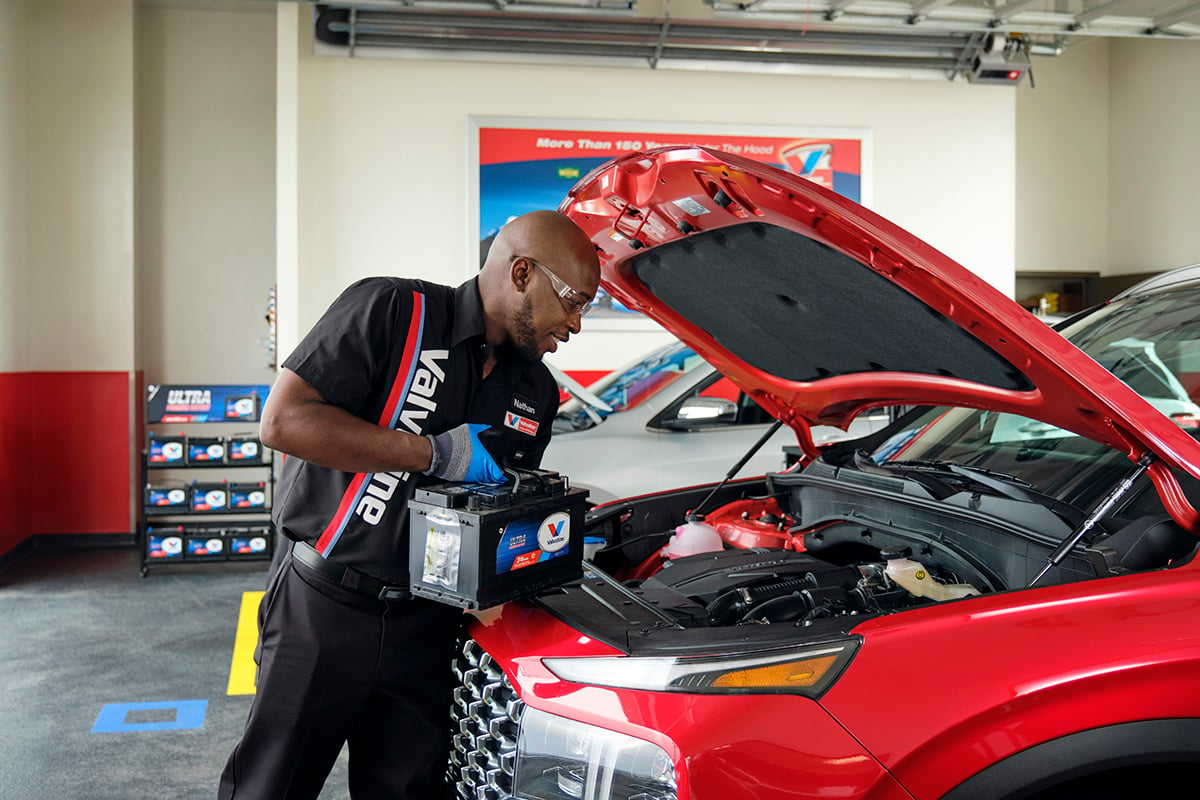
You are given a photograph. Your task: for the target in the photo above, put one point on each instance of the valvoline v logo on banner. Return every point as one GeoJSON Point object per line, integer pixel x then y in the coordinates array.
{"type": "Point", "coordinates": [524, 543]}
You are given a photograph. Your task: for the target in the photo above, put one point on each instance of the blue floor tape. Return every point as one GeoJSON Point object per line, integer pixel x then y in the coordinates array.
{"type": "Point", "coordinates": [113, 717]}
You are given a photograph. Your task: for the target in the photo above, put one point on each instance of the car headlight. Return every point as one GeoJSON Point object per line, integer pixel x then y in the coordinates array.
{"type": "Point", "coordinates": [561, 759]}
{"type": "Point", "coordinates": [807, 671]}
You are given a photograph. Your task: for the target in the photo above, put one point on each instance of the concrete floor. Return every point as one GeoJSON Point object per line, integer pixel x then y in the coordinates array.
{"type": "Point", "coordinates": [82, 636]}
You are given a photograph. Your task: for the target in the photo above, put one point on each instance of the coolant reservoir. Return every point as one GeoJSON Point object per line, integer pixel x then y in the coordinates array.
{"type": "Point", "coordinates": [692, 537]}
{"type": "Point", "coordinates": [914, 577]}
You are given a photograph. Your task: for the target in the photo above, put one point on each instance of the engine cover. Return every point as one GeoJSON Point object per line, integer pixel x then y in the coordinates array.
{"type": "Point", "coordinates": [703, 577]}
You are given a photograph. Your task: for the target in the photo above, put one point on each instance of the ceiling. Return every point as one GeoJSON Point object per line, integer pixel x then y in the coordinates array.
{"type": "Point", "coordinates": [943, 39]}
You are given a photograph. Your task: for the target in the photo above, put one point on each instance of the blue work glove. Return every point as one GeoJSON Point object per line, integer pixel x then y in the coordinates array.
{"type": "Point", "coordinates": [458, 455]}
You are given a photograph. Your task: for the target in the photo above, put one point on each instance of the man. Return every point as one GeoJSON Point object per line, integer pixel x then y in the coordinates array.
{"type": "Point", "coordinates": [391, 389]}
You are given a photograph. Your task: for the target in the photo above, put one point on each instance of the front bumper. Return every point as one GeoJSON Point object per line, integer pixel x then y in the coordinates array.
{"type": "Point", "coordinates": [720, 747]}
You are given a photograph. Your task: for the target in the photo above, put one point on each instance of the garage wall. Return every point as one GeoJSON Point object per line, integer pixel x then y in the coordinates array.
{"type": "Point", "coordinates": [14, 379]}
{"type": "Point", "coordinates": [12, 278]}
{"type": "Point", "coordinates": [1107, 161]}
{"type": "Point", "coordinates": [70, 311]}
{"type": "Point", "coordinates": [383, 159]}
{"type": "Point", "coordinates": [1154, 199]}
{"type": "Point", "coordinates": [67, 268]}
{"type": "Point", "coordinates": [206, 193]}
{"type": "Point", "coordinates": [78, 160]}
{"type": "Point", "coordinates": [1062, 157]}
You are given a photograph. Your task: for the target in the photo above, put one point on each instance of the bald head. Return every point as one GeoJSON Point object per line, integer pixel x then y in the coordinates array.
{"type": "Point", "coordinates": [550, 238]}
{"type": "Point", "coordinates": [509, 280]}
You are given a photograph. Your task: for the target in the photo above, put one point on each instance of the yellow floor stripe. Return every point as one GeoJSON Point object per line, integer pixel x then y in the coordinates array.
{"type": "Point", "coordinates": [242, 672]}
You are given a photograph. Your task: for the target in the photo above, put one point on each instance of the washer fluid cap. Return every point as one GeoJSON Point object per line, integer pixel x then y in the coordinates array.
{"type": "Point", "coordinates": [895, 551]}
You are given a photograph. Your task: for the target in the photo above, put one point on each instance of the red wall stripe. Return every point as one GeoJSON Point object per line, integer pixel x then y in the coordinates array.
{"type": "Point", "coordinates": [15, 444]}
{"type": "Point", "coordinates": [65, 457]}
{"type": "Point", "coordinates": [80, 459]}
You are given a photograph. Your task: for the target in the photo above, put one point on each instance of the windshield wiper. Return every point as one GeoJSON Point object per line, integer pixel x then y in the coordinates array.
{"type": "Point", "coordinates": [939, 488]}
{"type": "Point", "coordinates": [1001, 483]}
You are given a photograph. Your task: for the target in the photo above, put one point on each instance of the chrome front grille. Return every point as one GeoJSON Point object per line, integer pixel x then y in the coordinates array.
{"type": "Point", "coordinates": [484, 716]}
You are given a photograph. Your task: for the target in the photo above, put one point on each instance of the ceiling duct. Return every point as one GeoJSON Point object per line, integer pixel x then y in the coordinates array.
{"type": "Point", "coordinates": [922, 38]}
{"type": "Point", "coordinates": [615, 37]}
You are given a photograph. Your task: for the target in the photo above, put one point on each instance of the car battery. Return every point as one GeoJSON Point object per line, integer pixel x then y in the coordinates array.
{"type": "Point", "coordinates": [209, 497]}
{"type": "Point", "coordinates": [477, 545]}
{"type": "Point", "coordinates": [205, 450]}
{"type": "Point", "coordinates": [203, 544]}
{"type": "Point", "coordinates": [167, 496]}
{"type": "Point", "coordinates": [164, 543]}
{"type": "Point", "coordinates": [251, 541]}
{"type": "Point", "coordinates": [166, 450]}
{"type": "Point", "coordinates": [247, 496]}
{"type": "Point", "coordinates": [241, 407]}
{"type": "Point", "coordinates": [243, 449]}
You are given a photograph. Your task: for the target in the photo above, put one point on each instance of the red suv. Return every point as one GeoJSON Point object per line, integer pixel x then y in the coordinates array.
{"type": "Point", "coordinates": [993, 597]}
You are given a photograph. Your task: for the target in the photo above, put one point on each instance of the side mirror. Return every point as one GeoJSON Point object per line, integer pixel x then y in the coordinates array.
{"type": "Point", "coordinates": [700, 412]}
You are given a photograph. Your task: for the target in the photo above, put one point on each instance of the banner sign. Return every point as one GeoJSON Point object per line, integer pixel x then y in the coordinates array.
{"type": "Point", "coordinates": [200, 403]}
{"type": "Point", "coordinates": [523, 169]}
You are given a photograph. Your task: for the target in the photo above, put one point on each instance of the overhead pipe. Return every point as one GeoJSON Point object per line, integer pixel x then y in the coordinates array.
{"type": "Point", "coordinates": [334, 26]}
{"type": "Point", "coordinates": [1056, 47]}
{"type": "Point", "coordinates": [651, 41]}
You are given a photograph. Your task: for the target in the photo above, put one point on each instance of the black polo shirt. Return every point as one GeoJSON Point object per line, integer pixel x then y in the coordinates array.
{"type": "Point", "coordinates": [405, 354]}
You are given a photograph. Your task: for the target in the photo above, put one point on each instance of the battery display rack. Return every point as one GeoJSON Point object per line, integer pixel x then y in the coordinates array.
{"type": "Point", "coordinates": [207, 482]}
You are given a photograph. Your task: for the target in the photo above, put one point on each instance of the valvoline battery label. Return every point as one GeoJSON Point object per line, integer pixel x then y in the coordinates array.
{"type": "Point", "coordinates": [166, 451]}
{"type": "Point", "coordinates": [160, 547]}
{"type": "Point", "coordinates": [523, 543]}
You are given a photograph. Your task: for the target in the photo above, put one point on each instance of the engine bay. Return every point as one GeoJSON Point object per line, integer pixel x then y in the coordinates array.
{"type": "Point", "coordinates": [825, 549]}
{"type": "Point", "coordinates": [761, 586]}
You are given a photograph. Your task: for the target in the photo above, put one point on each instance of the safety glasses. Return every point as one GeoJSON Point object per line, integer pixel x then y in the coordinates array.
{"type": "Point", "coordinates": [576, 302]}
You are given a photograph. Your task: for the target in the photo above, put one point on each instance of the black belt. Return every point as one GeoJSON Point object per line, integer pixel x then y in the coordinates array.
{"type": "Point", "coordinates": [347, 577]}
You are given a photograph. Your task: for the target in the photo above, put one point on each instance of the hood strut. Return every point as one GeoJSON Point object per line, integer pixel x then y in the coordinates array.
{"type": "Point", "coordinates": [1099, 511]}
{"type": "Point", "coordinates": [734, 469]}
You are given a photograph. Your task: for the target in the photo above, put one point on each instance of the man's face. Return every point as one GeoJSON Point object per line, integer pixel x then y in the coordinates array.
{"type": "Point", "coordinates": [543, 319]}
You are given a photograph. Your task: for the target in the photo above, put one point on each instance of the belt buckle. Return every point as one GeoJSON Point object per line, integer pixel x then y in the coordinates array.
{"type": "Point", "coordinates": [394, 593]}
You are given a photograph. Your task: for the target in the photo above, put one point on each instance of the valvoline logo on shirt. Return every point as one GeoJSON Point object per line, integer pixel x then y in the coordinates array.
{"type": "Point", "coordinates": [518, 423]}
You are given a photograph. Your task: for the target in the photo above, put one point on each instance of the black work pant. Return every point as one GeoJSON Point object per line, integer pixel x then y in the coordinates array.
{"type": "Point", "coordinates": [338, 667]}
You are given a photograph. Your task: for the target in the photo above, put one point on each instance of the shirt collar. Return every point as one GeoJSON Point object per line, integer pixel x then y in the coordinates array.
{"type": "Point", "coordinates": [468, 323]}
{"type": "Point", "coordinates": [468, 312]}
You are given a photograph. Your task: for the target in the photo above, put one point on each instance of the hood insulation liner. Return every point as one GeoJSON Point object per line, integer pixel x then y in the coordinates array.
{"type": "Point", "coordinates": [802, 311]}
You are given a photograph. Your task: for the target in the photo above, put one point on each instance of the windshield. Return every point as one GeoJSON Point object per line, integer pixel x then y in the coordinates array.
{"type": "Point", "coordinates": [625, 388]}
{"type": "Point", "coordinates": [1151, 343]}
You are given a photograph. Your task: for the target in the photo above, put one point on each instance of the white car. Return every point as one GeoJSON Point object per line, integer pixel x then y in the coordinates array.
{"type": "Point", "coordinates": [666, 421]}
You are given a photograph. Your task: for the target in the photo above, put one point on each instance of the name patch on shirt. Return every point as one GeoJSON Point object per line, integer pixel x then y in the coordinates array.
{"type": "Point", "coordinates": [523, 406]}
{"type": "Point", "coordinates": [519, 423]}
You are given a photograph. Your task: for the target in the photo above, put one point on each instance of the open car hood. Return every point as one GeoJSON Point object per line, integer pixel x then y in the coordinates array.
{"type": "Point", "coordinates": [819, 308]}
